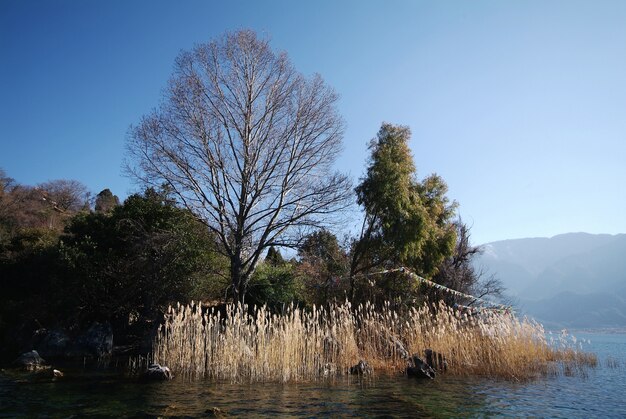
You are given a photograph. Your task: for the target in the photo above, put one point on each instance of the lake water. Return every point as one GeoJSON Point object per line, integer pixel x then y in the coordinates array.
{"type": "Point", "coordinates": [601, 392]}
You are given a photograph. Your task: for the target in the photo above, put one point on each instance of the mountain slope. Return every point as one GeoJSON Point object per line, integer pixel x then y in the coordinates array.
{"type": "Point", "coordinates": [569, 310]}
{"type": "Point", "coordinates": [570, 280]}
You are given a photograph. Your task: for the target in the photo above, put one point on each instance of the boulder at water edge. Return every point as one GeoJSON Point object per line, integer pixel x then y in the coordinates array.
{"type": "Point", "coordinates": [157, 372]}
{"type": "Point", "coordinates": [362, 368]}
{"type": "Point", "coordinates": [97, 341]}
{"type": "Point", "coordinates": [419, 369]}
{"type": "Point", "coordinates": [328, 369]}
{"type": "Point", "coordinates": [51, 343]}
{"type": "Point", "coordinates": [31, 361]}
{"type": "Point", "coordinates": [49, 372]}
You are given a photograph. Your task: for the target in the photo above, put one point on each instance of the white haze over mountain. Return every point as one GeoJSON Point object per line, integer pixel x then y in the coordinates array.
{"type": "Point", "coordinates": [574, 280]}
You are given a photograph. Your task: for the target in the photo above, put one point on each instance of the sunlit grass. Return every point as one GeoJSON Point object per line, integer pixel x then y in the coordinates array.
{"type": "Point", "coordinates": [305, 345]}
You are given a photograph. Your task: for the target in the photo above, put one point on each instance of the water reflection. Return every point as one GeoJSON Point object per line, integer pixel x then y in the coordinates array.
{"type": "Point", "coordinates": [383, 396]}
{"type": "Point", "coordinates": [105, 393]}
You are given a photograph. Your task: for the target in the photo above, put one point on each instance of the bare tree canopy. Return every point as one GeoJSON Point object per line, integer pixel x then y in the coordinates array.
{"type": "Point", "coordinates": [48, 205]}
{"type": "Point", "coordinates": [66, 195]}
{"type": "Point", "coordinates": [459, 272]}
{"type": "Point", "coordinates": [248, 145]}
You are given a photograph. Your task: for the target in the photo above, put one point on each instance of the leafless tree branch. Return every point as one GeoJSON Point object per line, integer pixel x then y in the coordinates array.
{"type": "Point", "coordinates": [248, 145]}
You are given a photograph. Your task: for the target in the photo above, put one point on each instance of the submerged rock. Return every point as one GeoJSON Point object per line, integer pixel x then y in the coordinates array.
{"type": "Point", "coordinates": [362, 368]}
{"type": "Point", "coordinates": [157, 372]}
{"type": "Point", "coordinates": [419, 369]}
{"type": "Point", "coordinates": [216, 412]}
{"type": "Point", "coordinates": [48, 373]}
{"type": "Point", "coordinates": [31, 361]}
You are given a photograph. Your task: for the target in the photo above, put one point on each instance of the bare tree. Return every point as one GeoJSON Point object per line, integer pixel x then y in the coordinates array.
{"type": "Point", "coordinates": [49, 205]}
{"type": "Point", "coordinates": [247, 144]}
{"type": "Point", "coordinates": [65, 195]}
{"type": "Point", "coordinates": [459, 272]}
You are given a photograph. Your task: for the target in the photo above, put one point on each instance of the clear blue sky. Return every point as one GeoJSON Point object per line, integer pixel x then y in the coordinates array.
{"type": "Point", "coordinates": [519, 105]}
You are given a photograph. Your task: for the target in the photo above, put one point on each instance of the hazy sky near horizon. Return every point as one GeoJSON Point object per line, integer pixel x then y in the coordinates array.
{"type": "Point", "coordinates": [519, 105]}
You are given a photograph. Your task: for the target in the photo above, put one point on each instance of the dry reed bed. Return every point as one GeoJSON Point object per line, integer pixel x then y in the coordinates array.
{"type": "Point", "coordinates": [305, 345]}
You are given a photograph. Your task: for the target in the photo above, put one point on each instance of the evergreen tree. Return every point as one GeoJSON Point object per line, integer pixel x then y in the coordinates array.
{"type": "Point", "coordinates": [106, 201]}
{"type": "Point", "coordinates": [273, 257]}
{"type": "Point", "coordinates": [407, 222]}
{"type": "Point", "coordinates": [133, 261]}
{"type": "Point", "coordinates": [324, 265]}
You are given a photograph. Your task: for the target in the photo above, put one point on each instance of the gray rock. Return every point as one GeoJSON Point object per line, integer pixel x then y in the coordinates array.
{"type": "Point", "coordinates": [48, 373]}
{"type": "Point", "coordinates": [215, 412]}
{"type": "Point", "coordinates": [328, 369]}
{"type": "Point", "coordinates": [97, 341]}
{"type": "Point", "coordinates": [157, 372]}
{"type": "Point", "coordinates": [399, 347]}
{"type": "Point", "coordinates": [362, 368]}
{"type": "Point", "coordinates": [420, 369]}
{"type": "Point", "coordinates": [31, 361]}
{"type": "Point", "coordinates": [50, 343]}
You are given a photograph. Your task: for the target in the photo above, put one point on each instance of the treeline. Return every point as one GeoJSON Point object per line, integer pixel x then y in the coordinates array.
{"type": "Point", "coordinates": [238, 163]}
{"type": "Point", "coordinates": [68, 260]}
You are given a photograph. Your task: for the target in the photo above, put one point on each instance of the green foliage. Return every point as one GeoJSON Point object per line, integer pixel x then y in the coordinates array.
{"type": "Point", "coordinates": [440, 232]}
{"type": "Point", "coordinates": [275, 286]}
{"type": "Point", "coordinates": [324, 268]}
{"type": "Point", "coordinates": [395, 216]}
{"type": "Point", "coordinates": [273, 257]}
{"type": "Point", "coordinates": [32, 272]}
{"type": "Point", "coordinates": [106, 201]}
{"type": "Point", "coordinates": [122, 266]}
{"type": "Point", "coordinates": [27, 265]}
{"type": "Point", "coordinates": [407, 222]}
{"type": "Point", "coordinates": [30, 241]}
{"type": "Point", "coordinates": [129, 264]}
{"type": "Point", "coordinates": [393, 288]}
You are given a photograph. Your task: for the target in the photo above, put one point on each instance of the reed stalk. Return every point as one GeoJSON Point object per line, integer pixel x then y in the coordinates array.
{"type": "Point", "coordinates": [250, 345]}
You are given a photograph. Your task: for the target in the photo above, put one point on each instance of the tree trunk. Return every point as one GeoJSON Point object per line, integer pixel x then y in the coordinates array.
{"type": "Point", "coordinates": [237, 279]}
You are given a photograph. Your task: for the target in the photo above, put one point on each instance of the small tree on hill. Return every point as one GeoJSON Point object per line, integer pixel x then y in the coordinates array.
{"type": "Point", "coordinates": [106, 201]}
{"type": "Point", "coordinates": [273, 257]}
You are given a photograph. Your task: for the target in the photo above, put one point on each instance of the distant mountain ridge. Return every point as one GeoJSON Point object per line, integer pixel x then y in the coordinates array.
{"type": "Point", "coordinates": [570, 280]}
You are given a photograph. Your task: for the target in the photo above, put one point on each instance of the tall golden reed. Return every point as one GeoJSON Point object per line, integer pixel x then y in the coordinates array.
{"type": "Point", "coordinates": [305, 345]}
